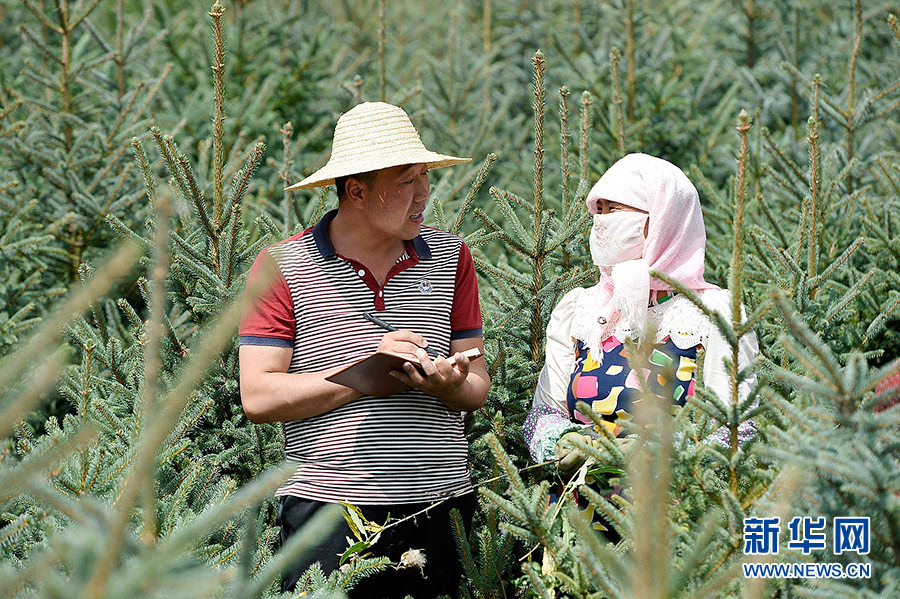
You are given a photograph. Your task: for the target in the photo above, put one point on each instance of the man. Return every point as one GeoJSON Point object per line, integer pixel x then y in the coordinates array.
{"type": "Point", "coordinates": [393, 455]}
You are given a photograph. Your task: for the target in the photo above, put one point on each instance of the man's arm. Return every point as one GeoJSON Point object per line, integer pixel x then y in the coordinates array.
{"type": "Point", "coordinates": [462, 386]}
{"type": "Point", "coordinates": [270, 394]}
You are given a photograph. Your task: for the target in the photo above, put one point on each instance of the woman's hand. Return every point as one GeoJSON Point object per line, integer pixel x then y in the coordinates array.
{"type": "Point", "coordinates": [571, 458]}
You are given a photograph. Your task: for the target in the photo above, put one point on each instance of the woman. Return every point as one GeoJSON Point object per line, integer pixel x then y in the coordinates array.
{"type": "Point", "coordinates": [646, 217]}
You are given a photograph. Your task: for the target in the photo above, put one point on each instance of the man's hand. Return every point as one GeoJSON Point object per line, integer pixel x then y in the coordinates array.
{"type": "Point", "coordinates": [441, 378]}
{"type": "Point", "coordinates": [461, 385]}
{"type": "Point", "coordinates": [402, 342]}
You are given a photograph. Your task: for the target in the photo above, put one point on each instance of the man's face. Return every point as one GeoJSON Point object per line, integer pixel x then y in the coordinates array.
{"type": "Point", "coordinates": [396, 199]}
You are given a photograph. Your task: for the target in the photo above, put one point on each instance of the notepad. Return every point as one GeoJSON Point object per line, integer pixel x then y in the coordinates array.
{"type": "Point", "coordinates": [371, 375]}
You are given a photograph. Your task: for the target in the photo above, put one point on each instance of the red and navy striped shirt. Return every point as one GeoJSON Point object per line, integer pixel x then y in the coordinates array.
{"type": "Point", "coordinates": [405, 448]}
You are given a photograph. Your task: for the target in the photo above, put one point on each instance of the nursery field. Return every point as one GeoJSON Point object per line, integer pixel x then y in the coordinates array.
{"type": "Point", "coordinates": [144, 151]}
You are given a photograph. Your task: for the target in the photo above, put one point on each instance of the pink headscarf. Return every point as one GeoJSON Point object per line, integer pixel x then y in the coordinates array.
{"type": "Point", "coordinates": [675, 245]}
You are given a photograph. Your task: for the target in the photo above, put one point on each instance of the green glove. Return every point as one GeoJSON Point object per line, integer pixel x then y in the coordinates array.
{"type": "Point", "coordinates": [570, 457]}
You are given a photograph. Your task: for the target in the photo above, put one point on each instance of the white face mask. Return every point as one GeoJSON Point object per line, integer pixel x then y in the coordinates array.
{"type": "Point", "coordinates": [617, 237]}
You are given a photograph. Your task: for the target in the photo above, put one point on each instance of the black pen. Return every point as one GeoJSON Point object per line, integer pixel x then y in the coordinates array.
{"type": "Point", "coordinates": [387, 327]}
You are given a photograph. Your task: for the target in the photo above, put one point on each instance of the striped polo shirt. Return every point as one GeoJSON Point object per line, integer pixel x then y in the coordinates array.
{"type": "Point", "coordinates": [405, 448]}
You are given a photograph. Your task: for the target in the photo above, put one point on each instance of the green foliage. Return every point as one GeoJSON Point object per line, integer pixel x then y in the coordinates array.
{"type": "Point", "coordinates": [25, 252]}
{"type": "Point", "coordinates": [128, 466]}
{"type": "Point", "coordinates": [67, 115]}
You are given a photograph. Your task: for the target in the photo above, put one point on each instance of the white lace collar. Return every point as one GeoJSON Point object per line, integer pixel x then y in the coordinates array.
{"type": "Point", "coordinates": [676, 318]}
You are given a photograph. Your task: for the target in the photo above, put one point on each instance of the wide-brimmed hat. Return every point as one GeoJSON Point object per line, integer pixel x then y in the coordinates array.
{"type": "Point", "coordinates": [373, 136]}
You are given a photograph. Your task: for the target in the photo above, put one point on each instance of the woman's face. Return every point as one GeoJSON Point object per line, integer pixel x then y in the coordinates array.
{"type": "Point", "coordinates": [605, 206]}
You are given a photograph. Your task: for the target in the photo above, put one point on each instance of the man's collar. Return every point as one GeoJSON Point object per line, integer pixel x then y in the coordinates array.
{"type": "Point", "coordinates": [420, 247]}
{"type": "Point", "coordinates": [320, 236]}
{"type": "Point", "coordinates": [326, 248]}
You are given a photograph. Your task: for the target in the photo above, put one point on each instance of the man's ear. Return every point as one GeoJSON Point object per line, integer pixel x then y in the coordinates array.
{"type": "Point", "coordinates": [354, 190]}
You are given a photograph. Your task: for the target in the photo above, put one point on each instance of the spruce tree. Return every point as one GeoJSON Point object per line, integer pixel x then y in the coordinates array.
{"type": "Point", "coordinates": [69, 114]}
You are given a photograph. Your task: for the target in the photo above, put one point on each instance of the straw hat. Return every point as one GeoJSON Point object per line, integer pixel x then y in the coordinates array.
{"type": "Point", "coordinates": [373, 136]}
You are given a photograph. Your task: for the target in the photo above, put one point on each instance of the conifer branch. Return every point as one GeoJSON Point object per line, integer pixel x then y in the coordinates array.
{"type": "Point", "coordinates": [320, 204]}
{"type": "Point", "coordinates": [753, 319]}
{"type": "Point", "coordinates": [144, 164]}
{"type": "Point", "coordinates": [735, 283]}
{"type": "Point", "coordinates": [538, 251]}
{"type": "Point", "coordinates": [354, 88]}
{"type": "Point", "coordinates": [786, 185]}
{"type": "Point", "coordinates": [41, 78]}
{"type": "Point", "coordinates": [381, 59]}
{"type": "Point", "coordinates": [151, 95]}
{"type": "Point", "coordinates": [585, 130]}
{"type": "Point", "coordinates": [786, 163]}
{"type": "Point", "coordinates": [150, 440]}
{"type": "Point", "coordinates": [518, 201]}
{"type": "Point", "coordinates": [39, 45]}
{"type": "Point", "coordinates": [735, 275]}
{"type": "Point", "coordinates": [124, 113]}
{"type": "Point", "coordinates": [509, 213]}
{"type": "Point", "coordinates": [125, 231]}
{"type": "Point", "coordinates": [538, 105]}
{"type": "Point", "coordinates": [808, 338]}
{"type": "Point", "coordinates": [848, 297]}
{"type": "Point", "coordinates": [319, 526]}
{"type": "Point", "coordinates": [818, 101]}
{"type": "Point", "coordinates": [119, 54]}
{"type": "Point", "coordinates": [629, 59]}
{"type": "Point", "coordinates": [537, 584]}
{"type": "Point", "coordinates": [285, 174]}
{"type": "Point", "coordinates": [113, 195]}
{"type": "Point", "coordinates": [851, 72]}
{"type": "Point", "coordinates": [773, 222]}
{"type": "Point", "coordinates": [814, 211]}
{"type": "Point", "coordinates": [840, 261]}
{"type": "Point", "coordinates": [412, 93]}
{"type": "Point", "coordinates": [219, 119]}
{"type": "Point", "coordinates": [185, 175]}
{"type": "Point", "coordinates": [486, 167]}
{"type": "Point", "coordinates": [41, 17]}
{"type": "Point", "coordinates": [6, 112]}
{"type": "Point", "coordinates": [167, 151]}
{"type": "Point", "coordinates": [468, 562]}
{"type": "Point", "coordinates": [236, 231]}
{"type": "Point", "coordinates": [236, 158]}
{"type": "Point", "coordinates": [237, 194]}
{"type": "Point", "coordinates": [564, 136]}
{"type": "Point", "coordinates": [883, 93]}
{"type": "Point", "coordinates": [879, 321]}
{"type": "Point", "coordinates": [514, 280]}
{"type": "Point", "coordinates": [20, 402]}
{"type": "Point", "coordinates": [27, 475]}
{"type": "Point", "coordinates": [152, 357]}
{"type": "Point", "coordinates": [708, 190]}
{"type": "Point", "coordinates": [833, 204]}
{"type": "Point", "coordinates": [887, 110]}
{"type": "Point", "coordinates": [892, 19]}
{"type": "Point", "coordinates": [87, 11]}
{"type": "Point", "coordinates": [614, 56]}
{"type": "Point", "coordinates": [45, 337]}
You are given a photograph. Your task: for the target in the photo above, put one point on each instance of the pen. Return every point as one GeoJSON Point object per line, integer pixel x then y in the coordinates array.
{"type": "Point", "coordinates": [387, 327]}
